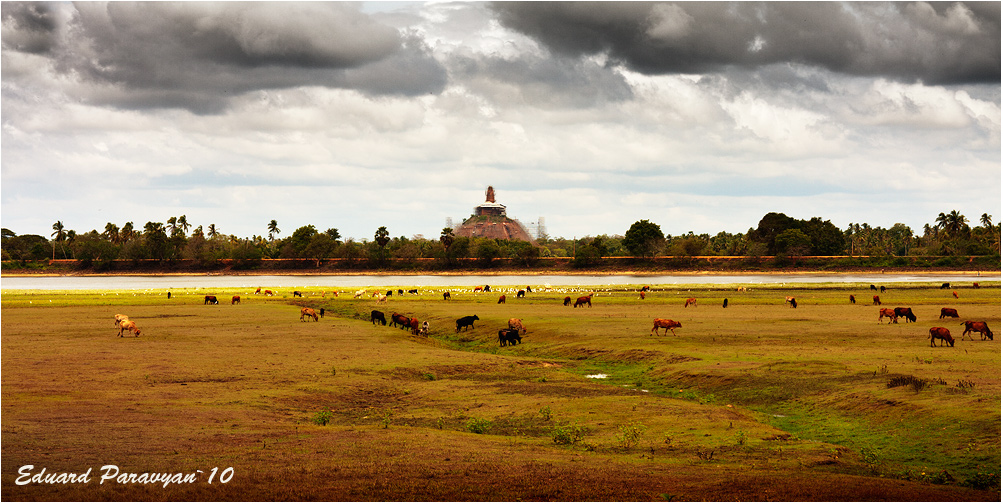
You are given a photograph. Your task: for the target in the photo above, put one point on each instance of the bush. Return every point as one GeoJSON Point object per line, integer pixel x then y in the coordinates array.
{"type": "Point", "coordinates": [567, 434]}
{"type": "Point", "coordinates": [478, 425]}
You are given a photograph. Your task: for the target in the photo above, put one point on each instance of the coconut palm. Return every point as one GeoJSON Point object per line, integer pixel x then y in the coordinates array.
{"type": "Point", "coordinates": [213, 232]}
{"type": "Point", "coordinates": [273, 229]}
{"type": "Point", "coordinates": [183, 225]}
{"type": "Point", "coordinates": [111, 232]}
{"type": "Point", "coordinates": [58, 231]}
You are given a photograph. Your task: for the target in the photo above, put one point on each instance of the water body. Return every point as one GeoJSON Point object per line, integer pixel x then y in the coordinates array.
{"type": "Point", "coordinates": [344, 281]}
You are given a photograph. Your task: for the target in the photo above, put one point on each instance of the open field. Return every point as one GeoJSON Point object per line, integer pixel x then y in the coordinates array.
{"type": "Point", "coordinates": [756, 401]}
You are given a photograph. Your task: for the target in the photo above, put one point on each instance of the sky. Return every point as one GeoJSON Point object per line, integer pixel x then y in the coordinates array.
{"type": "Point", "coordinates": [697, 116]}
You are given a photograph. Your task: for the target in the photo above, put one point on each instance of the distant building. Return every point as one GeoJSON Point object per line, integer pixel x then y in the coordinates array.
{"type": "Point", "coordinates": [490, 221]}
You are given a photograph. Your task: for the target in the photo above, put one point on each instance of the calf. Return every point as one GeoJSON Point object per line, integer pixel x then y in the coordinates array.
{"type": "Point", "coordinates": [948, 312]}
{"type": "Point", "coordinates": [210, 300]}
{"type": "Point", "coordinates": [942, 334]}
{"type": "Point", "coordinates": [905, 313]}
{"type": "Point", "coordinates": [887, 312]}
{"type": "Point", "coordinates": [465, 322]}
{"type": "Point", "coordinates": [377, 316]}
{"type": "Point", "coordinates": [582, 301]}
{"type": "Point", "coordinates": [308, 312]}
{"type": "Point", "coordinates": [509, 336]}
{"type": "Point", "coordinates": [514, 323]}
{"type": "Point", "coordinates": [667, 324]}
{"type": "Point", "coordinates": [128, 325]}
{"type": "Point", "coordinates": [980, 327]}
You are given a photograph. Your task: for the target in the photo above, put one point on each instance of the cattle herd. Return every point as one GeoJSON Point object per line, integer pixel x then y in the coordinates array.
{"type": "Point", "coordinates": [513, 334]}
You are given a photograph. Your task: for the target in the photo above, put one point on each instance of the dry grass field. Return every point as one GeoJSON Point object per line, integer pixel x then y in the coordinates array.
{"type": "Point", "coordinates": [756, 401]}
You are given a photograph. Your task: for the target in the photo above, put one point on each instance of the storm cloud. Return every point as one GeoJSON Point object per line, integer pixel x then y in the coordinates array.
{"type": "Point", "coordinates": [935, 43]}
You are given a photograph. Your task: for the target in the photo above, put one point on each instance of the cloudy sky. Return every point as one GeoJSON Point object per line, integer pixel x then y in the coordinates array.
{"type": "Point", "coordinates": [697, 116]}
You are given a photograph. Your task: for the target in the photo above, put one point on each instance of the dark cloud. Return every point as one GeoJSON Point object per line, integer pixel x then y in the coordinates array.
{"type": "Point", "coordinates": [29, 27]}
{"type": "Point", "coordinates": [937, 43]}
{"type": "Point", "coordinates": [197, 55]}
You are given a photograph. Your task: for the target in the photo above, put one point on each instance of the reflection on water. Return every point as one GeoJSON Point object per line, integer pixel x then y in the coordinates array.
{"type": "Point", "coordinates": [254, 281]}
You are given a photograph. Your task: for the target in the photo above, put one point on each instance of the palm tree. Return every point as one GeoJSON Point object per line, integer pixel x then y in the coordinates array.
{"type": "Point", "coordinates": [127, 233]}
{"type": "Point", "coordinates": [213, 232]}
{"type": "Point", "coordinates": [111, 232]}
{"type": "Point", "coordinates": [986, 220]}
{"type": "Point", "coordinates": [183, 224]}
{"type": "Point", "coordinates": [58, 231]}
{"type": "Point", "coordinates": [382, 238]}
{"type": "Point", "coordinates": [273, 229]}
{"type": "Point", "coordinates": [172, 225]}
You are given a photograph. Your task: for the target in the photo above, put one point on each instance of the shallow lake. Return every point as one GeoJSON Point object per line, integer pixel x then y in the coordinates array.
{"type": "Point", "coordinates": [253, 281]}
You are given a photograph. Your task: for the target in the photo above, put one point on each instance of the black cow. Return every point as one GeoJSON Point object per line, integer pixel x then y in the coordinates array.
{"type": "Point", "coordinates": [882, 289]}
{"type": "Point", "coordinates": [520, 294]}
{"type": "Point", "coordinates": [390, 293]}
{"type": "Point", "coordinates": [297, 294]}
{"type": "Point", "coordinates": [400, 292]}
{"type": "Point", "coordinates": [412, 291]}
{"type": "Point", "coordinates": [210, 300]}
{"type": "Point", "coordinates": [465, 322]}
{"type": "Point", "coordinates": [725, 304]}
{"type": "Point", "coordinates": [487, 288]}
{"type": "Point", "coordinates": [945, 285]}
{"type": "Point", "coordinates": [509, 337]}
{"type": "Point", "coordinates": [873, 287]}
{"type": "Point", "coordinates": [853, 300]}
{"type": "Point", "coordinates": [321, 313]}
{"type": "Point", "coordinates": [377, 316]}
{"type": "Point", "coordinates": [445, 296]}
{"type": "Point", "coordinates": [905, 312]}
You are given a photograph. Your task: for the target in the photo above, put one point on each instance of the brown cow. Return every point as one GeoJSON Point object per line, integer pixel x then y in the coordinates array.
{"type": "Point", "coordinates": [791, 301]}
{"type": "Point", "coordinates": [478, 289]}
{"type": "Point", "coordinates": [501, 299]}
{"type": "Point", "coordinates": [308, 312]}
{"type": "Point", "coordinates": [955, 294]}
{"type": "Point", "coordinates": [948, 312]}
{"type": "Point", "coordinates": [258, 291]}
{"type": "Point", "coordinates": [942, 334]}
{"type": "Point", "coordinates": [119, 318]}
{"type": "Point", "coordinates": [514, 323]}
{"type": "Point", "coordinates": [567, 300]}
{"type": "Point", "coordinates": [582, 301]}
{"type": "Point", "coordinates": [690, 301]}
{"type": "Point", "coordinates": [887, 312]}
{"type": "Point", "coordinates": [642, 295]}
{"type": "Point", "coordinates": [980, 327]}
{"type": "Point", "coordinates": [853, 300]}
{"type": "Point", "coordinates": [128, 325]}
{"type": "Point", "coordinates": [268, 293]}
{"type": "Point", "coordinates": [667, 324]}
{"type": "Point", "coordinates": [877, 300]}
{"type": "Point", "coordinates": [905, 313]}
{"type": "Point", "coordinates": [400, 320]}
{"type": "Point", "coordinates": [445, 296]}
{"type": "Point", "coordinates": [415, 326]}
{"type": "Point", "coordinates": [235, 300]}
{"type": "Point", "coordinates": [975, 285]}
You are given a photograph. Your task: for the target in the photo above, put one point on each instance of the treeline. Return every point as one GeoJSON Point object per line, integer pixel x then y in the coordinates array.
{"type": "Point", "coordinates": [776, 235]}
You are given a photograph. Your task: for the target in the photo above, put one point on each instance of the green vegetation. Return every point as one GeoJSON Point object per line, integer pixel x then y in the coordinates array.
{"type": "Point", "coordinates": [778, 241]}
{"type": "Point", "coordinates": [750, 402]}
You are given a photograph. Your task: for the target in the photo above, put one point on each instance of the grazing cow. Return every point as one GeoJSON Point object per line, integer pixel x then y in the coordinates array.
{"type": "Point", "coordinates": [975, 285]}
{"type": "Point", "coordinates": [377, 316]}
{"type": "Point", "coordinates": [690, 301]}
{"type": "Point", "coordinates": [415, 326]}
{"type": "Point", "coordinates": [390, 293]}
{"type": "Point", "coordinates": [487, 288]}
{"type": "Point", "coordinates": [308, 312]}
{"type": "Point", "coordinates": [853, 300]}
{"type": "Point", "coordinates": [646, 288]}
{"type": "Point", "coordinates": [948, 312]}
{"type": "Point", "coordinates": [567, 300]}
{"type": "Point", "coordinates": [887, 312]}
{"type": "Point", "coordinates": [321, 313]}
{"type": "Point", "coordinates": [268, 293]}
{"type": "Point", "coordinates": [413, 291]}
{"type": "Point", "coordinates": [791, 301]}
{"type": "Point", "coordinates": [514, 323]}
{"type": "Point", "coordinates": [465, 322]}
{"type": "Point", "coordinates": [667, 324]}
{"type": "Point", "coordinates": [359, 293]}
{"type": "Point", "coordinates": [528, 289]}
{"type": "Point", "coordinates": [235, 300]}
{"type": "Point", "coordinates": [398, 320]}
{"type": "Point", "coordinates": [582, 301]}
{"type": "Point", "coordinates": [297, 294]}
{"type": "Point", "coordinates": [877, 300]}
{"type": "Point", "coordinates": [882, 289]}
{"type": "Point", "coordinates": [478, 288]}
{"type": "Point", "coordinates": [424, 328]}
{"type": "Point", "coordinates": [740, 289]}
{"type": "Point", "coordinates": [725, 304]}
{"type": "Point", "coordinates": [945, 285]}
{"type": "Point", "coordinates": [210, 300]}
{"type": "Point", "coordinates": [258, 291]}
{"type": "Point", "coordinates": [642, 295]}
{"type": "Point", "coordinates": [942, 334]}
{"type": "Point", "coordinates": [955, 293]}
{"type": "Point", "coordinates": [445, 296]}
{"type": "Point", "coordinates": [520, 294]}
{"type": "Point", "coordinates": [128, 325]}
{"type": "Point", "coordinates": [980, 327]}
{"type": "Point", "coordinates": [501, 299]}
{"type": "Point", "coordinates": [873, 288]}
{"type": "Point", "coordinates": [906, 313]}
{"type": "Point", "coordinates": [381, 299]}
{"type": "Point", "coordinates": [119, 318]}
{"type": "Point", "coordinates": [509, 337]}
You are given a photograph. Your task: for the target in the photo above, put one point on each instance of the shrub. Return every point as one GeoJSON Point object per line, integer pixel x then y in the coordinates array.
{"type": "Point", "coordinates": [567, 434]}
{"type": "Point", "coordinates": [478, 425]}
{"type": "Point", "coordinates": [630, 435]}
{"type": "Point", "coordinates": [322, 417]}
